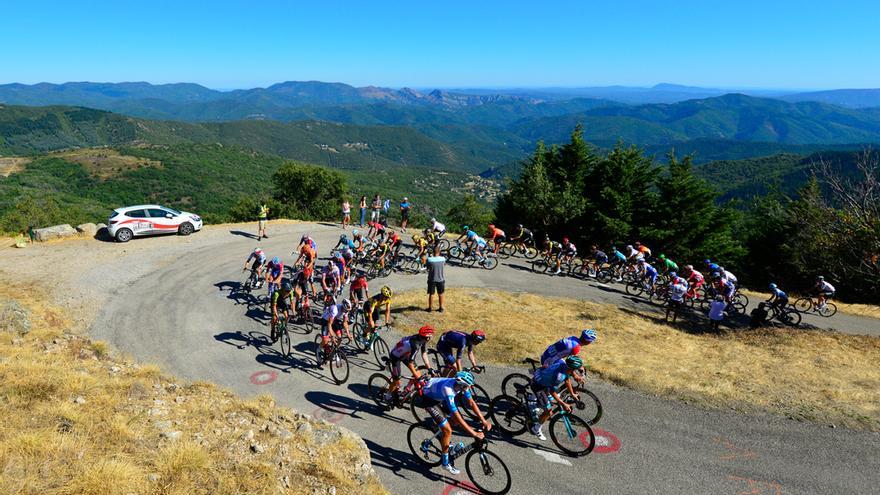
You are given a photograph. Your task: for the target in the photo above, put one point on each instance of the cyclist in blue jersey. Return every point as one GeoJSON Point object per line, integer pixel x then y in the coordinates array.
{"type": "Point", "coordinates": [453, 343]}
{"type": "Point", "coordinates": [438, 398]}
{"type": "Point", "coordinates": [778, 298]}
{"type": "Point", "coordinates": [568, 346]}
{"type": "Point", "coordinates": [545, 384]}
{"type": "Point", "coordinates": [649, 273]}
{"type": "Point", "coordinates": [274, 274]}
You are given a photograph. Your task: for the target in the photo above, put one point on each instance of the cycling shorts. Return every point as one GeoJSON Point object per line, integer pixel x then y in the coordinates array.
{"type": "Point", "coordinates": [827, 294]}
{"type": "Point", "coordinates": [542, 394]}
{"type": "Point", "coordinates": [449, 354]}
{"type": "Point", "coordinates": [395, 363]}
{"type": "Point", "coordinates": [438, 410]}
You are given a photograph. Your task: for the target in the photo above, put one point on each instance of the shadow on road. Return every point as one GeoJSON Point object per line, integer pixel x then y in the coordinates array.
{"type": "Point", "coordinates": [244, 234]}
{"type": "Point", "coordinates": [342, 405]}
{"type": "Point", "coordinates": [402, 464]}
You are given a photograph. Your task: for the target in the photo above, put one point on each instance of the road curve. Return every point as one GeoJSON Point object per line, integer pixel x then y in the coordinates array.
{"type": "Point", "coordinates": [174, 308]}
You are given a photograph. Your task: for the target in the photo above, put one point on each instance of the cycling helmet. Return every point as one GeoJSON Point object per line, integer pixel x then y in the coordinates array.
{"type": "Point", "coordinates": [286, 287]}
{"type": "Point", "coordinates": [433, 219]}
{"type": "Point", "coordinates": [355, 232]}
{"type": "Point", "coordinates": [772, 286]}
{"type": "Point", "coordinates": [304, 238]}
{"type": "Point", "coordinates": [707, 261]}
{"type": "Point", "coordinates": [478, 336]}
{"type": "Point", "coordinates": [714, 267]}
{"type": "Point", "coordinates": [337, 255]}
{"type": "Point", "coordinates": [574, 363]}
{"type": "Point", "coordinates": [689, 268]}
{"type": "Point", "coordinates": [638, 243]}
{"type": "Point", "coordinates": [426, 331]}
{"type": "Point", "coordinates": [491, 225]}
{"type": "Point", "coordinates": [673, 275]}
{"type": "Point", "coordinates": [257, 250]}
{"type": "Point", "coordinates": [588, 335]}
{"type": "Point", "coordinates": [565, 240]}
{"type": "Point", "coordinates": [346, 304]}
{"type": "Point", "coordinates": [629, 246]}
{"type": "Point", "coordinates": [465, 227]}
{"type": "Point", "coordinates": [519, 226]}
{"type": "Point", "coordinates": [464, 378]}
{"type": "Point", "coordinates": [820, 278]}
{"type": "Point", "coordinates": [662, 256]}
{"type": "Point", "coordinates": [343, 238]}
{"type": "Point", "coordinates": [716, 275]}
{"type": "Point", "coordinates": [386, 291]}
{"type": "Point", "coordinates": [276, 260]}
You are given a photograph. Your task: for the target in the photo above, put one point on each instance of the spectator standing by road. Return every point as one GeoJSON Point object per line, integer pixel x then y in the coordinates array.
{"type": "Point", "coordinates": [346, 213]}
{"type": "Point", "coordinates": [716, 311]}
{"type": "Point", "coordinates": [263, 217]}
{"type": "Point", "coordinates": [376, 208]}
{"type": "Point", "coordinates": [436, 281]}
{"type": "Point", "coordinates": [363, 207]}
{"type": "Point", "coordinates": [404, 213]}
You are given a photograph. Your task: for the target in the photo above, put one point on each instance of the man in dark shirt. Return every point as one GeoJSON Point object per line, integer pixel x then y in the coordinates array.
{"type": "Point", "coordinates": [436, 282]}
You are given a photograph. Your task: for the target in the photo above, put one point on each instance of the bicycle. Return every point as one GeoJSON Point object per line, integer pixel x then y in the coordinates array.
{"type": "Point", "coordinates": [487, 261]}
{"type": "Point", "coordinates": [335, 355]}
{"type": "Point", "coordinates": [513, 248]}
{"type": "Point", "coordinates": [787, 316]}
{"type": "Point", "coordinates": [280, 333]}
{"type": "Point", "coordinates": [809, 305]}
{"type": "Point", "coordinates": [546, 263]}
{"type": "Point", "coordinates": [569, 432]}
{"type": "Point", "coordinates": [303, 313]}
{"type": "Point", "coordinates": [512, 381]}
{"type": "Point", "coordinates": [372, 342]}
{"type": "Point", "coordinates": [490, 475]}
{"type": "Point", "coordinates": [378, 385]}
{"type": "Point", "coordinates": [251, 282]}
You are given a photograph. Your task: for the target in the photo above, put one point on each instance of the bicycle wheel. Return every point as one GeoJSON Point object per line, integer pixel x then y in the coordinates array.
{"type": "Point", "coordinates": [506, 250]}
{"type": "Point", "coordinates": [572, 434]}
{"type": "Point", "coordinates": [508, 385]}
{"type": "Point", "coordinates": [489, 263]}
{"type": "Point", "coordinates": [741, 302]}
{"type": "Point", "coordinates": [804, 304]}
{"type": "Point", "coordinates": [592, 410]}
{"type": "Point", "coordinates": [487, 472]}
{"type": "Point", "coordinates": [604, 276]}
{"type": "Point", "coordinates": [309, 324]}
{"type": "Point", "coordinates": [509, 415]}
{"type": "Point", "coordinates": [539, 266]}
{"type": "Point", "coordinates": [320, 355]}
{"type": "Point", "coordinates": [424, 443]}
{"type": "Point", "coordinates": [634, 288]}
{"type": "Point", "coordinates": [380, 350]}
{"type": "Point", "coordinates": [377, 386]}
{"type": "Point", "coordinates": [357, 332]}
{"type": "Point", "coordinates": [444, 244]}
{"type": "Point", "coordinates": [284, 335]}
{"type": "Point", "coordinates": [479, 395]}
{"type": "Point", "coordinates": [530, 253]}
{"type": "Point", "coordinates": [339, 366]}
{"type": "Point", "coordinates": [454, 252]}
{"type": "Point", "coordinates": [791, 318]}
{"type": "Point", "coordinates": [828, 311]}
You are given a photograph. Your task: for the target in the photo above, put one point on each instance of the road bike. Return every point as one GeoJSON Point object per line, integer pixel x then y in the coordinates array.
{"type": "Point", "coordinates": [334, 355]}
{"type": "Point", "coordinates": [592, 405]}
{"type": "Point", "coordinates": [370, 341]}
{"type": "Point", "coordinates": [252, 281]}
{"type": "Point", "coordinates": [569, 432]}
{"type": "Point", "coordinates": [487, 261]}
{"type": "Point", "coordinates": [518, 248]}
{"type": "Point", "coordinates": [810, 305]}
{"type": "Point", "coordinates": [303, 314]}
{"type": "Point", "coordinates": [378, 385]}
{"type": "Point", "coordinates": [787, 315]}
{"type": "Point", "coordinates": [484, 468]}
{"type": "Point", "coordinates": [280, 333]}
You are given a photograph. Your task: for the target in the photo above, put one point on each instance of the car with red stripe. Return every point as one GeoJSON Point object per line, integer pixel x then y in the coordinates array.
{"type": "Point", "coordinates": [142, 220]}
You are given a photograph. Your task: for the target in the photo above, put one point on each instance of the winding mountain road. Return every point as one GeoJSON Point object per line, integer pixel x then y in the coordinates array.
{"type": "Point", "coordinates": [168, 301]}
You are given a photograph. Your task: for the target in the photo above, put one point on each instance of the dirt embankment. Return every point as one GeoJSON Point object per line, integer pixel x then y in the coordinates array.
{"type": "Point", "coordinates": [78, 419]}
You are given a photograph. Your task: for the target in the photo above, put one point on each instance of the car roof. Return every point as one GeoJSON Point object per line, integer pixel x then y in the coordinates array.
{"type": "Point", "coordinates": [137, 207]}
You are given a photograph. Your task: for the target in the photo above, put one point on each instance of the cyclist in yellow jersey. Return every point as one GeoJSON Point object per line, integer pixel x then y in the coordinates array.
{"type": "Point", "coordinates": [372, 306]}
{"type": "Point", "coordinates": [422, 246]}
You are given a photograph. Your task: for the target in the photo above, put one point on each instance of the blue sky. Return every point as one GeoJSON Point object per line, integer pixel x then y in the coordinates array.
{"type": "Point", "coordinates": [230, 44]}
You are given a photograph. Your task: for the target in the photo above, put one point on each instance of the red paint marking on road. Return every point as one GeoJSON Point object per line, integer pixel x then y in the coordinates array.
{"type": "Point", "coordinates": [756, 487]}
{"type": "Point", "coordinates": [734, 452]}
{"type": "Point", "coordinates": [263, 377]}
{"type": "Point", "coordinates": [606, 442]}
{"type": "Point", "coordinates": [327, 415]}
{"type": "Point", "coordinates": [461, 488]}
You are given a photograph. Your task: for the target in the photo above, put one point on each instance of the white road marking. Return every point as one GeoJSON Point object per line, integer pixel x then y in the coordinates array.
{"type": "Point", "coordinates": [602, 441]}
{"type": "Point", "coordinates": [552, 457]}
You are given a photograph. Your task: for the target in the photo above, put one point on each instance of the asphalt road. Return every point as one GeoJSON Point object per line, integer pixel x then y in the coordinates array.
{"type": "Point", "coordinates": [180, 313]}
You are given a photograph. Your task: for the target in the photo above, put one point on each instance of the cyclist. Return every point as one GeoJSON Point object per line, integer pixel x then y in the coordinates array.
{"type": "Point", "coordinates": [479, 246]}
{"type": "Point", "coordinates": [694, 279]}
{"type": "Point", "coordinates": [394, 243]}
{"type": "Point", "coordinates": [723, 286]}
{"type": "Point", "coordinates": [649, 273]}
{"type": "Point", "coordinates": [422, 245]}
{"type": "Point", "coordinates": [377, 230]}
{"type": "Point", "coordinates": [730, 277]}
{"type": "Point", "coordinates": [667, 265]}
{"type": "Point", "coordinates": [568, 346]}
{"type": "Point", "coordinates": [824, 290]}
{"type": "Point", "coordinates": [282, 301]}
{"type": "Point", "coordinates": [307, 239]}
{"type": "Point", "coordinates": [618, 262]}
{"type": "Point", "coordinates": [523, 236]}
{"type": "Point", "coordinates": [301, 280]}
{"type": "Point", "coordinates": [334, 321]}
{"type": "Point", "coordinates": [404, 352]}
{"type": "Point", "coordinates": [438, 398]}
{"type": "Point", "coordinates": [455, 342]}
{"type": "Point", "coordinates": [569, 250]}
{"type": "Point", "coordinates": [633, 257]}
{"type": "Point", "coordinates": [778, 299]}
{"type": "Point", "coordinates": [339, 260]}
{"type": "Point", "coordinates": [359, 240]}
{"type": "Point", "coordinates": [371, 309]}
{"type": "Point", "coordinates": [438, 228]}
{"type": "Point", "coordinates": [553, 249]}
{"type": "Point", "coordinates": [545, 383]}
{"type": "Point", "coordinates": [345, 242]}
{"type": "Point", "coordinates": [678, 287]}
{"type": "Point", "coordinates": [497, 236]}
{"type": "Point", "coordinates": [274, 274]}
{"type": "Point", "coordinates": [330, 278]}
{"type": "Point", "coordinates": [359, 291]}
{"type": "Point", "coordinates": [259, 263]}
{"type": "Point", "coordinates": [468, 237]}
{"type": "Point", "coordinates": [307, 256]}
{"type": "Point", "coordinates": [381, 252]}
{"type": "Point", "coordinates": [599, 256]}
{"type": "Point", "coordinates": [643, 249]}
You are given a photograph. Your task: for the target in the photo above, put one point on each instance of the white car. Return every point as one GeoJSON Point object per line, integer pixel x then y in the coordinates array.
{"type": "Point", "coordinates": [131, 221]}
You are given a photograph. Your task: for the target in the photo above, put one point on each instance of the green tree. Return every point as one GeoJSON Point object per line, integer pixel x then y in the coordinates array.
{"type": "Point", "coordinates": [469, 212]}
{"type": "Point", "coordinates": [309, 192]}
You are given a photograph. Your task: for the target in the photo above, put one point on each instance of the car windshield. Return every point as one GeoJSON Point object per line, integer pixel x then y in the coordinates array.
{"type": "Point", "coordinates": [171, 210]}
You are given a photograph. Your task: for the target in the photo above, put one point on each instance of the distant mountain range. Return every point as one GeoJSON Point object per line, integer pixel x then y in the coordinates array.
{"type": "Point", "coordinates": [472, 130]}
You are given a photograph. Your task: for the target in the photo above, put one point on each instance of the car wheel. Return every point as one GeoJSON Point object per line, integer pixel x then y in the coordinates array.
{"type": "Point", "coordinates": [185, 228]}
{"type": "Point", "coordinates": [124, 235]}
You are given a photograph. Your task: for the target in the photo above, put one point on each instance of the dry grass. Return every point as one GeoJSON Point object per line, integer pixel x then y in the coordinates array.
{"type": "Point", "coordinates": [76, 420]}
{"type": "Point", "coordinates": [864, 310]}
{"type": "Point", "coordinates": [104, 163]}
{"type": "Point", "coordinates": [819, 376]}
{"type": "Point", "coordinates": [11, 164]}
